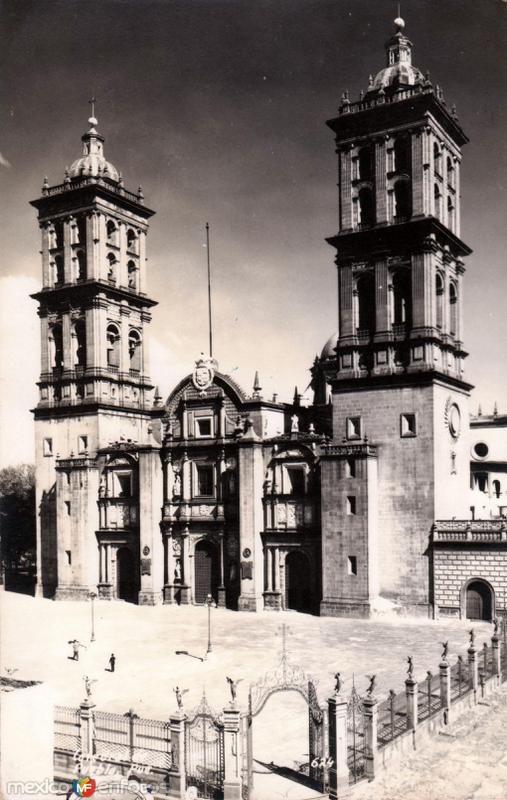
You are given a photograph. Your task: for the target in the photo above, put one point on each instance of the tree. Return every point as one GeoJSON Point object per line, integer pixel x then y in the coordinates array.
{"type": "Point", "coordinates": [17, 521]}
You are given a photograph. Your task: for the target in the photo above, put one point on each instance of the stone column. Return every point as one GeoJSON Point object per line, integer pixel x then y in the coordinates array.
{"type": "Point", "coordinates": [381, 180]}
{"type": "Point", "coordinates": [67, 342]}
{"type": "Point", "coordinates": [269, 569]}
{"type": "Point", "coordinates": [473, 670]}
{"type": "Point", "coordinates": [232, 754]}
{"type": "Point", "coordinates": [185, 478]}
{"type": "Point", "coordinates": [381, 298]}
{"type": "Point", "coordinates": [411, 690]}
{"type": "Point", "coordinates": [345, 189]}
{"type": "Point", "coordinates": [87, 727]}
{"type": "Point", "coordinates": [370, 734]}
{"type": "Point", "coordinates": [46, 276]}
{"type": "Point", "coordinates": [185, 567]}
{"type": "Point", "coordinates": [67, 252]}
{"type": "Point", "coordinates": [338, 771]}
{"type": "Point", "coordinates": [417, 174]}
{"type": "Point", "coordinates": [445, 688]}
{"type": "Point", "coordinates": [221, 588]}
{"type": "Point", "coordinates": [177, 725]}
{"type": "Point", "coordinates": [44, 341]}
{"type": "Point", "coordinates": [142, 261]}
{"type": "Point", "coordinates": [124, 333]}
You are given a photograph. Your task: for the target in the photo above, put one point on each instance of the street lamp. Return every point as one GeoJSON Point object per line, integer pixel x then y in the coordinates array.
{"type": "Point", "coordinates": [209, 602]}
{"type": "Point", "coordinates": [92, 597]}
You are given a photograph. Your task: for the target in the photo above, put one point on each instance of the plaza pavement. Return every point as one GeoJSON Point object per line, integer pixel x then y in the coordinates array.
{"type": "Point", "coordinates": [34, 636]}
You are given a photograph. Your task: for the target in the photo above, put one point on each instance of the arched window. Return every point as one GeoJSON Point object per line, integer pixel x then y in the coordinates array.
{"type": "Point", "coordinates": [111, 270]}
{"type": "Point", "coordinates": [439, 290]}
{"type": "Point", "coordinates": [453, 309]}
{"type": "Point", "coordinates": [365, 165]}
{"type": "Point", "coordinates": [81, 230]}
{"type": "Point", "coordinates": [135, 350]}
{"type": "Point", "coordinates": [80, 343]}
{"type": "Point", "coordinates": [497, 488]}
{"type": "Point", "coordinates": [366, 303]}
{"type": "Point", "coordinates": [450, 213]}
{"type": "Point", "coordinates": [81, 265]}
{"type": "Point", "coordinates": [402, 298]}
{"type": "Point", "coordinates": [366, 208]}
{"type": "Point", "coordinates": [402, 154]}
{"type": "Point", "coordinates": [450, 171]}
{"type": "Point", "coordinates": [58, 237]}
{"type": "Point", "coordinates": [132, 275]}
{"type": "Point", "coordinates": [437, 159]}
{"type": "Point", "coordinates": [59, 274]}
{"type": "Point", "coordinates": [112, 232]}
{"type": "Point", "coordinates": [131, 241]}
{"type": "Point", "coordinates": [56, 346]}
{"type": "Point", "coordinates": [437, 197]}
{"type": "Point", "coordinates": [402, 200]}
{"type": "Point", "coordinates": [113, 346]}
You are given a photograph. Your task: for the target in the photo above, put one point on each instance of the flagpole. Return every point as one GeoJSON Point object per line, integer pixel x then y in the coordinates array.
{"type": "Point", "coordinates": [209, 293]}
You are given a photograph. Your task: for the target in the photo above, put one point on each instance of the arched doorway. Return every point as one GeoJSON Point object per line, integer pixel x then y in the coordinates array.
{"type": "Point", "coordinates": [206, 572]}
{"type": "Point", "coordinates": [298, 587]}
{"type": "Point", "coordinates": [127, 584]}
{"type": "Point", "coordinates": [479, 600]}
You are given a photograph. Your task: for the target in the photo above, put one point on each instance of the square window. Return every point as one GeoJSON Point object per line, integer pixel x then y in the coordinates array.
{"type": "Point", "coordinates": [352, 565]}
{"type": "Point", "coordinates": [203, 426]}
{"type": "Point", "coordinates": [47, 447]}
{"type": "Point", "coordinates": [123, 485]}
{"type": "Point", "coordinates": [82, 444]}
{"type": "Point", "coordinates": [295, 481]}
{"type": "Point", "coordinates": [351, 504]}
{"type": "Point", "coordinates": [67, 507]}
{"type": "Point", "coordinates": [354, 427]}
{"type": "Point", "coordinates": [408, 425]}
{"type": "Point", "coordinates": [205, 480]}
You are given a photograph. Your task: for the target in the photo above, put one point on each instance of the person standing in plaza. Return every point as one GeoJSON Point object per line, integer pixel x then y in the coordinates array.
{"type": "Point", "coordinates": [112, 662]}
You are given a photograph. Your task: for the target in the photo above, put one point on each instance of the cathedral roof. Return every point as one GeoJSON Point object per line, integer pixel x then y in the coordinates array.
{"type": "Point", "coordinates": [93, 163]}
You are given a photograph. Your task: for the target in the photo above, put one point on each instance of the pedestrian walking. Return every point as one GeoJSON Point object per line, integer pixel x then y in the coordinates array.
{"type": "Point", "coordinates": [75, 649]}
{"type": "Point", "coordinates": [112, 662]}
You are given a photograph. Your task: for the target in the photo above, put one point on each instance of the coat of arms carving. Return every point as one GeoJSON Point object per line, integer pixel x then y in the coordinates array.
{"type": "Point", "coordinates": [203, 374]}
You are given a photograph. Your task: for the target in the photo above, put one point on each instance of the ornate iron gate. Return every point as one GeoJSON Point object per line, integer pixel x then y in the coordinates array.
{"type": "Point", "coordinates": [356, 750]}
{"type": "Point", "coordinates": [204, 752]}
{"type": "Point", "coordinates": [288, 677]}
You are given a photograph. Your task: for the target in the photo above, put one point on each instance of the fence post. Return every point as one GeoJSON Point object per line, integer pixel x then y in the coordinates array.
{"type": "Point", "coordinates": [445, 689]}
{"type": "Point", "coordinates": [370, 706]}
{"type": "Point", "coordinates": [87, 727]}
{"type": "Point", "coordinates": [411, 691]}
{"type": "Point", "coordinates": [177, 724]}
{"type": "Point", "coordinates": [232, 754]}
{"type": "Point", "coordinates": [339, 770]}
{"type": "Point", "coordinates": [495, 646]}
{"type": "Point", "coordinates": [473, 667]}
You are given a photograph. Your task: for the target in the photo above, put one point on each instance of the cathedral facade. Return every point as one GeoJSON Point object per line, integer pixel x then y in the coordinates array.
{"type": "Point", "coordinates": [367, 498]}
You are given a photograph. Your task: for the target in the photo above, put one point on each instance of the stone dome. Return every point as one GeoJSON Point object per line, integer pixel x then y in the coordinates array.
{"type": "Point", "coordinates": [92, 162]}
{"type": "Point", "coordinates": [94, 166]}
{"type": "Point", "coordinates": [329, 349]}
{"type": "Point", "coordinates": [400, 74]}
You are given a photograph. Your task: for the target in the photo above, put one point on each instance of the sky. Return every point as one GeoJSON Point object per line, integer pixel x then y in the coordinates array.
{"type": "Point", "coordinates": [218, 108]}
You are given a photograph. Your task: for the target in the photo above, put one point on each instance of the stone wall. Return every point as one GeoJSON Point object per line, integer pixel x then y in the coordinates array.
{"type": "Point", "coordinates": [453, 567]}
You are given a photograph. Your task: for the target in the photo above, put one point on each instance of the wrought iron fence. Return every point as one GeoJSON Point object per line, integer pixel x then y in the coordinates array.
{"type": "Point", "coordinates": [204, 751]}
{"type": "Point", "coordinates": [392, 718]}
{"type": "Point", "coordinates": [67, 728]}
{"type": "Point", "coordinates": [117, 738]}
{"type": "Point", "coordinates": [461, 682]}
{"type": "Point", "coordinates": [429, 697]}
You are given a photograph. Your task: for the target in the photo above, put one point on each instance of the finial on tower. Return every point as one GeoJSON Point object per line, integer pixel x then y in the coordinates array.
{"type": "Point", "coordinates": [93, 119]}
{"type": "Point", "coordinates": [399, 21]}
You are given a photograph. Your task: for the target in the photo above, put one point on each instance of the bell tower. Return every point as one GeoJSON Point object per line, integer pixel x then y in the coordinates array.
{"type": "Point", "coordinates": [399, 396]}
{"type": "Point", "coordinates": [94, 386]}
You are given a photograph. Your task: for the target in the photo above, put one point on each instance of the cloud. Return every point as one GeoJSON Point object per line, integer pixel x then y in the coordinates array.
{"type": "Point", "coordinates": [4, 162]}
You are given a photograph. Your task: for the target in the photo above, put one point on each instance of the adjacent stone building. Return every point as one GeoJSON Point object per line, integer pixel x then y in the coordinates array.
{"type": "Point", "coordinates": [360, 500]}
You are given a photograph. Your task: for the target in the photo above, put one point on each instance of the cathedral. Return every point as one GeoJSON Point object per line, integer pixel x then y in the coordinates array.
{"type": "Point", "coordinates": [384, 494]}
